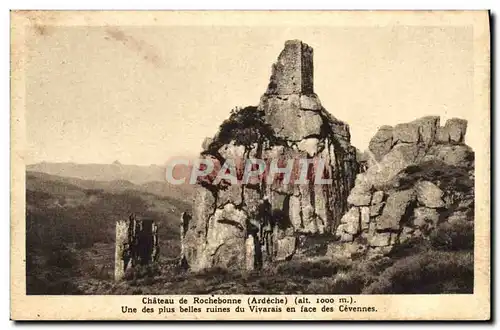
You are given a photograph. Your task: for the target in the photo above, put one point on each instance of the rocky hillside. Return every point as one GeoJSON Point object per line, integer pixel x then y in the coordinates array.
{"type": "Point", "coordinates": [420, 178]}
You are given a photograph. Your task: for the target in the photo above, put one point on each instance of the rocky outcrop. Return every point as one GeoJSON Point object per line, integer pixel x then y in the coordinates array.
{"type": "Point", "coordinates": [420, 175]}
{"type": "Point", "coordinates": [289, 123]}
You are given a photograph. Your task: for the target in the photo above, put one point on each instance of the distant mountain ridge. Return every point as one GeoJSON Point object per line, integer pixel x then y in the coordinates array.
{"type": "Point", "coordinates": [102, 172]}
{"type": "Point", "coordinates": [115, 177]}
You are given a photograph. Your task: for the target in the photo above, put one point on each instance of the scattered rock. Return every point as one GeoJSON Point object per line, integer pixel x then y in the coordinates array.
{"type": "Point", "coordinates": [406, 234]}
{"type": "Point", "coordinates": [250, 245]}
{"type": "Point", "coordinates": [454, 155]}
{"type": "Point", "coordinates": [309, 145]}
{"type": "Point", "coordinates": [378, 197]}
{"type": "Point", "coordinates": [346, 237]}
{"type": "Point", "coordinates": [206, 143]}
{"type": "Point", "coordinates": [345, 250]}
{"type": "Point", "coordinates": [453, 131]}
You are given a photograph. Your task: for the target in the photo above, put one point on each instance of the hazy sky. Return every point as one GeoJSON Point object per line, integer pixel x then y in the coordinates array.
{"type": "Point", "coordinates": [141, 95]}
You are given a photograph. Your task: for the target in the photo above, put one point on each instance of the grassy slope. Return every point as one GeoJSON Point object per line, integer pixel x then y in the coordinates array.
{"type": "Point", "coordinates": [70, 227]}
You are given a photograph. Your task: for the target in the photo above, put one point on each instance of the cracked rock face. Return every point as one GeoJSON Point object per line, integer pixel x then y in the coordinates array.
{"type": "Point", "coordinates": [288, 123]}
{"type": "Point", "coordinates": [421, 175]}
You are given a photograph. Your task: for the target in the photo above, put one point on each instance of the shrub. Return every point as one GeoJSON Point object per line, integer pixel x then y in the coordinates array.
{"type": "Point", "coordinates": [351, 282]}
{"type": "Point", "coordinates": [62, 258]}
{"type": "Point", "coordinates": [140, 272]}
{"type": "Point", "coordinates": [429, 272]}
{"type": "Point", "coordinates": [311, 269]}
{"type": "Point", "coordinates": [413, 245]}
{"type": "Point", "coordinates": [454, 236]}
{"type": "Point", "coordinates": [245, 126]}
{"type": "Point", "coordinates": [450, 178]}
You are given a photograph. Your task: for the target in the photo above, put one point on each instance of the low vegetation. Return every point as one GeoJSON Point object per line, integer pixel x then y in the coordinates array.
{"type": "Point", "coordinates": [420, 267]}
{"type": "Point", "coordinates": [245, 126]}
{"type": "Point", "coordinates": [71, 251]}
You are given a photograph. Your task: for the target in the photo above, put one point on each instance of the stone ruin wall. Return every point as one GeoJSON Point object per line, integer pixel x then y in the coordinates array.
{"type": "Point", "coordinates": [136, 244]}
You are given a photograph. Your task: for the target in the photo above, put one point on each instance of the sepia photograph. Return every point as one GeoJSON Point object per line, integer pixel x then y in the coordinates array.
{"type": "Point", "coordinates": [231, 156]}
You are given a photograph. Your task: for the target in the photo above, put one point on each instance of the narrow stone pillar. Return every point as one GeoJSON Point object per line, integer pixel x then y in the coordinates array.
{"type": "Point", "coordinates": [250, 253]}
{"type": "Point", "coordinates": [121, 248]}
{"type": "Point", "coordinates": [185, 219]}
{"type": "Point", "coordinates": [156, 246]}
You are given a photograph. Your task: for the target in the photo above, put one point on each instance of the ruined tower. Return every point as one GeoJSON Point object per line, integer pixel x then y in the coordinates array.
{"type": "Point", "coordinates": [136, 244]}
{"type": "Point", "coordinates": [289, 123]}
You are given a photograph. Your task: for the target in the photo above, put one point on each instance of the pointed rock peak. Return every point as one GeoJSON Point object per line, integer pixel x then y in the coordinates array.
{"type": "Point", "coordinates": [293, 71]}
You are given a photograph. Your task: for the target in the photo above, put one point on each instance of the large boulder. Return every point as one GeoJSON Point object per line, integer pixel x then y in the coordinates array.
{"type": "Point", "coordinates": [427, 128]}
{"type": "Point", "coordinates": [454, 155]}
{"type": "Point", "coordinates": [406, 133]}
{"type": "Point", "coordinates": [293, 124]}
{"type": "Point", "coordinates": [381, 143]}
{"type": "Point", "coordinates": [453, 131]}
{"type": "Point", "coordinates": [429, 194]}
{"type": "Point", "coordinates": [395, 209]}
{"type": "Point", "coordinates": [400, 157]}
